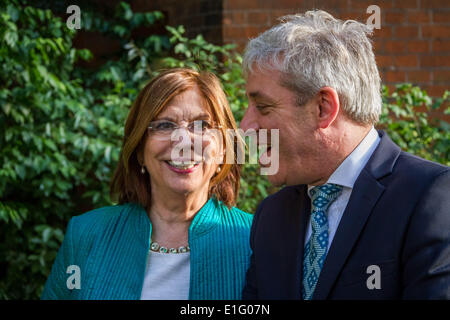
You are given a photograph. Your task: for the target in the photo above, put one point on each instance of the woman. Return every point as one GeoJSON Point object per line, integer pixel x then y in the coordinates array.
{"type": "Point", "coordinates": [174, 233]}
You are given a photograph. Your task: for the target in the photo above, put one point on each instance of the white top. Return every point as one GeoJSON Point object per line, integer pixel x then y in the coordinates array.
{"type": "Point", "coordinates": [346, 175]}
{"type": "Point", "coordinates": [167, 276]}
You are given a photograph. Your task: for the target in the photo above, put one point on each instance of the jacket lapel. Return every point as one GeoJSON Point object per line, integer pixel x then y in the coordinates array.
{"type": "Point", "coordinates": [301, 216]}
{"type": "Point", "coordinates": [116, 267]}
{"type": "Point", "coordinates": [365, 194]}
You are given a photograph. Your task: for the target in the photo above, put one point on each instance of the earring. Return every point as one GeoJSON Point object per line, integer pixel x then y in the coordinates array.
{"type": "Point", "coordinates": [142, 170]}
{"type": "Point", "coordinates": [218, 169]}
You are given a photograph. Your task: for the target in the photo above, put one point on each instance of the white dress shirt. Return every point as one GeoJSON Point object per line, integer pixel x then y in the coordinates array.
{"type": "Point", "coordinates": [346, 175]}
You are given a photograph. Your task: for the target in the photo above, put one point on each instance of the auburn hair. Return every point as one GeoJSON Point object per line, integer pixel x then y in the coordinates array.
{"type": "Point", "coordinates": [128, 183]}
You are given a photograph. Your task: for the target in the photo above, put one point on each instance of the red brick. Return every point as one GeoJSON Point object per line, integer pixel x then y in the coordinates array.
{"type": "Point", "coordinates": [226, 21]}
{"type": "Point", "coordinates": [395, 17]}
{"type": "Point", "coordinates": [384, 32]}
{"type": "Point", "coordinates": [437, 4]}
{"type": "Point", "coordinates": [441, 16]}
{"type": "Point", "coordinates": [251, 32]}
{"type": "Point", "coordinates": [334, 4]}
{"type": "Point", "coordinates": [258, 18]}
{"type": "Point", "coordinates": [239, 4]}
{"type": "Point", "coordinates": [385, 4]}
{"type": "Point", "coordinates": [384, 61]}
{"type": "Point", "coordinates": [418, 46]}
{"type": "Point", "coordinates": [435, 61]}
{"type": "Point", "coordinates": [280, 3]}
{"type": "Point", "coordinates": [231, 33]}
{"type": "Point", "coordinates": [406, 32]}
{"type": "Point", "coordinates": [359, 4]}
{"type": "Point", "coordinates": [395, 76]}
{"type": "Point", "coordinates": [360, 16]}
{"type": "Point", "coordinates": [405, 61]}
{"type": "Point", "coordinates": [436, 31]}
{"type": "Point", "coordinates": [277, 14]}
{"type": "Point", "coordinates": [441, 76]}
{"type": "Point", "coordinates": [439, 45]}
{"type": "Point", "coordinates": [418, 17]}
{"type": "Point", "coordinates": [435, 90]}
{"type": "Point", "coordinates": [419, 76]}
{"type": "Point", "coordinates": [406, 4]}
{"type": "Point", "coordinates": [395, 46]}
{"type": "Point", "coordinates": [235, 18]}
{"type": "Point", "coordinates": [378, 46]}
{"type": "Point", "coordinates": [364, 4]}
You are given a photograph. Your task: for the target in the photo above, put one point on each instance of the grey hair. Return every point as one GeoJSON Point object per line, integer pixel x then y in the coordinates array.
{"type": "Point", "coordinates": [314, 50]}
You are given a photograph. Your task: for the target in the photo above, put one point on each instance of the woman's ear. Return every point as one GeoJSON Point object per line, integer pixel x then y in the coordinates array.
{"type": "Point", "coordinates": [329, 105]}
{"type": "Point", "coordinates": [140, 156]}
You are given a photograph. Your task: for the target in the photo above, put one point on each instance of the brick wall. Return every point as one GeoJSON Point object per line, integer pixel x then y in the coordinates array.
{"type": "Point", "coordinates": [413, 44]}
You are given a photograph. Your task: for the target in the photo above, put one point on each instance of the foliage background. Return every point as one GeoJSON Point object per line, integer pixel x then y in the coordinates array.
{"type": "Point", "coordinates": [62, 122]}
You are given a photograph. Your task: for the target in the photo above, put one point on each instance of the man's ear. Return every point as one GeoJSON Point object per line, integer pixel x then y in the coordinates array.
{"type": "Point", "coordinates": [329, 105]}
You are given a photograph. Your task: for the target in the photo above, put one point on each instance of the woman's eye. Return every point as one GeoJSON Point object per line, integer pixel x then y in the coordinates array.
{"type": "Point", "coordinates": [201, 125]}
{"type": "Point", "coordinates": [165, 126]}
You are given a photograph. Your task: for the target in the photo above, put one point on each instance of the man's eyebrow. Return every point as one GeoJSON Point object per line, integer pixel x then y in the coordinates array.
{"type": "Point", "coordinates": [258, 94]}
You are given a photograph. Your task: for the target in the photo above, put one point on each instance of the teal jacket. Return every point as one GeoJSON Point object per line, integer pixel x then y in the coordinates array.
{"type": "Point", "coordinates": [108, 247]}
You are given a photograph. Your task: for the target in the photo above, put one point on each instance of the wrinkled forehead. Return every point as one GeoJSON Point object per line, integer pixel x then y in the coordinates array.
{"type": "Point", "coordinates": [262, 81]}
{"type": "Point", "coordinates": [187, 105]}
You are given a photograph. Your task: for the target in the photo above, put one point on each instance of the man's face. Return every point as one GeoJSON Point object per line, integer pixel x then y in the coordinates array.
{"type": "Point", "coordinates": [272, 106]}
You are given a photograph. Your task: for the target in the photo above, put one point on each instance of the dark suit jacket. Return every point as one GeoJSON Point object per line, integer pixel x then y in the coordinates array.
{"type": "Point", "coordinates": [398, 218]}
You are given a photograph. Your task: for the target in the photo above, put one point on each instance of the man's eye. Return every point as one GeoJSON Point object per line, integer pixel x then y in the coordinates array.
{"type": "Point", "coordinates": [262, 108]}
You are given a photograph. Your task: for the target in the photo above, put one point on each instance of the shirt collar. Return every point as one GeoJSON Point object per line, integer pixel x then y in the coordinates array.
{"type": "Point", "coordinates": [349, 170]}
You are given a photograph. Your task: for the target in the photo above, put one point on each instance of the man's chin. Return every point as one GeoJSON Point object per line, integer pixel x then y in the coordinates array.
{"type": "Point", "coordinates": [276, 180]}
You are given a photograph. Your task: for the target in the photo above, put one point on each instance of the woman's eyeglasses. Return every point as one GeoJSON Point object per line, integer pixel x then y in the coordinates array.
{"type": "Point", "coordinates": [163, 129]}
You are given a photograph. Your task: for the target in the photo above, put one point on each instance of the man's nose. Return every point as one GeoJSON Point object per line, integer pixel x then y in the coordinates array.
{"type": "Point", "coordinates": [249, 121]}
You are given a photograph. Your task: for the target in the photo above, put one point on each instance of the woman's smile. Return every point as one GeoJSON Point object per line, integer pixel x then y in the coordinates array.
{"type": "Point", "coordinates": [183, 167]}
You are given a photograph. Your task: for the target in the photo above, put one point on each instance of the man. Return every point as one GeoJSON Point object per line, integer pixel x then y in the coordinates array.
{"type": "Point", "coordinates": [358, 218]}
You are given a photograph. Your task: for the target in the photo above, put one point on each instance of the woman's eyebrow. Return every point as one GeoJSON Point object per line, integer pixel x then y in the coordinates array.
{"type": "Point", "coordinates": [201, 116]}
{"type": "Point", "coordinates": [166, 118]}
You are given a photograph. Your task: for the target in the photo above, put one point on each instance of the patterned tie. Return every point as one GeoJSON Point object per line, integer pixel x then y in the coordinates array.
{"type": "Point", "coordinates": [316, 248]}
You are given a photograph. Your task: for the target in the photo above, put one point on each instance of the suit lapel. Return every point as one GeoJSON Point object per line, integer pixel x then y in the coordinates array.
{"type": "Point", "coordinates": [365, 194]}
{"type": "Point", "coordinates": [285, 247]}
{"type": "Point", "coordinates": [301, 217]}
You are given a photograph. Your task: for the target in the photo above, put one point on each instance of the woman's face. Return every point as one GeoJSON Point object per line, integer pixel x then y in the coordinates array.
{"type": "Point", "coordinates": [173, 165]}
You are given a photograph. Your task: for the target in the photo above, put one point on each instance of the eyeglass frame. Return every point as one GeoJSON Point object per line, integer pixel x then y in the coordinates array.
{"type": "Point", "coordinates": [169, 133]}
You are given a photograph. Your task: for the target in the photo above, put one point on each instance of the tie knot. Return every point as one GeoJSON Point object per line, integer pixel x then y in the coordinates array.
{"type": "Point", "coordinates": [322, 196]}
